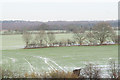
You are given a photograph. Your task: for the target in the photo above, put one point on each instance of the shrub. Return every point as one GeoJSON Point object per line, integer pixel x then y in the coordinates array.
{"type": "Point", "coordinates": [91, 71]}
{"type": "Point", "coordinates": [61, 74]}
{"type": "Point", "coordinates": [114, 69]}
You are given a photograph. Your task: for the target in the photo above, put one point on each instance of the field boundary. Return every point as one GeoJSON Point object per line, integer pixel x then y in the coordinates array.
{"type": "Point", "coordinates": [69, 46]}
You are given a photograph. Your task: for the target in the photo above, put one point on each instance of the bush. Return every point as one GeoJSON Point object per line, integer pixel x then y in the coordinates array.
{"type": "Point", "coordinates": [91, 71]}
{"type": "Point", "coordinates": [114, 69]}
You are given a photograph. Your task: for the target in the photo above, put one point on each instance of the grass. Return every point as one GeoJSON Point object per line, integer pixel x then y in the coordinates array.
{"type": "Point", "coordinates": [89, 71]}
{"type": "Point", "coordinates": [16, 41]}
{"type": "Point", "coordinates": [51, 74]}
{"type": "Point", "coordinates": [66, 57]}
{"type": "Point", "coordinates": [44, 59]}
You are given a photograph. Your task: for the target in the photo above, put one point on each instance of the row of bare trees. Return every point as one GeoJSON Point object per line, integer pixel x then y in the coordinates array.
{"type": "Point", "coordinates": [42, 39]}
{"type": "Point", "coordinates": [98, 35]}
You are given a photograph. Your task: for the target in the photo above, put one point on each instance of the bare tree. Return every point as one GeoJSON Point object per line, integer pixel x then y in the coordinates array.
{"type": "Point", "coordinates": [91, 71]}
{"type": "Point", "coordinates": [113, 69]}
{"type": "Point", "coordinates": [27, 37]}
{"type": "Point", "coordinates": [69, 42]}
{"type": "Point", "coordinates": [114, 38]}
{"type": "Point", "coordinates": [102, 31]}
{"type": "Point", "coordinates": [51, 38]}
{"type": "Point", "coordinates": [90, 37]}
{"type": "Point", "coordinates": [41, 38]}
{"type": "Point", "coordinates": [79, 35]}
{"type": "Point", "coordinates": [64, 42]}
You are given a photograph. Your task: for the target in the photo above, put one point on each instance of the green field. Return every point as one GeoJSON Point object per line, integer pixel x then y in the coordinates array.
{"type": "Point", "coordinates": [66, 58]}
{"type": "Point", "coordinates": [16, 41]}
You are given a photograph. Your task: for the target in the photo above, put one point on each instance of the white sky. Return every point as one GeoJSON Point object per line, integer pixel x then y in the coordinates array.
{"type": "Point", "coordinates": [52, 10]}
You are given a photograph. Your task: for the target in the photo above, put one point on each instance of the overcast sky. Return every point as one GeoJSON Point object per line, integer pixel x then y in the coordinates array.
{"type": "Point", "coordinates": [52, 10]}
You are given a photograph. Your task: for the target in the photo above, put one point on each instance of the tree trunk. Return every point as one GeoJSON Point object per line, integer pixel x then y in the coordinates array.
{"type": "Point", "coordinates": [26, 44]}
{"type": "Point", "coordinates": [101, 42]}
{"type": "Point", "coordinates": [40, 43]}
{"type": "Point", "coordinates": [80, 43]}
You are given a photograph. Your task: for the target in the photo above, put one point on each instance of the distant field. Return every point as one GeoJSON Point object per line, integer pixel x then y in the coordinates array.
{"type": "Point", "coordinates": [16, 41]}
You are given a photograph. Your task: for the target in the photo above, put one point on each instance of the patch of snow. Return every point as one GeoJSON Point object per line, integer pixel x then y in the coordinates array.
{"type": "Point", "coordinates": [13, 60]}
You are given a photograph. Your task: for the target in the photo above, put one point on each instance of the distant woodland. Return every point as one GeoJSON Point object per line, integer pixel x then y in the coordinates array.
{"type": "Point", "coordinates": [51, 25]}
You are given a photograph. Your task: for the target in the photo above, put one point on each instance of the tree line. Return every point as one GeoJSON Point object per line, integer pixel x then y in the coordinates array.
{"type": "Point", "coordinates": [100, 33]}
{"type": "Point", "coordinates": [50, 25]}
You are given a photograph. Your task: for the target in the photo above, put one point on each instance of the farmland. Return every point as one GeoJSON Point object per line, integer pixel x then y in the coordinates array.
{"type": "Point", "coordinates": [67, 58]}
{"type": "Point", "coordinates": [49, 39]}
{"type": "Point", "coordinates": [16, 41]}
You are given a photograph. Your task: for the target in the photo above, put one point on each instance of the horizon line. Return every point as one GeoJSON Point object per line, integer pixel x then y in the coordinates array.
{"type": "Point", "coordinates": [58, 20]}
